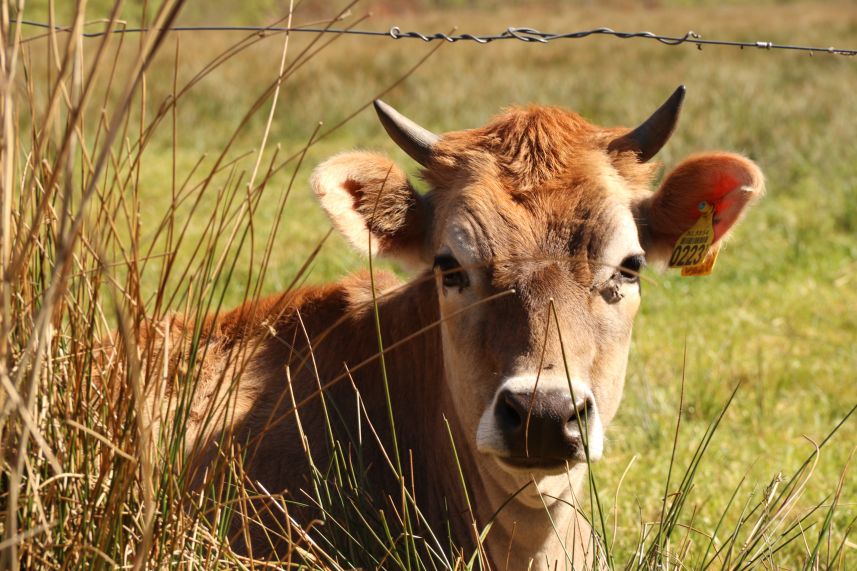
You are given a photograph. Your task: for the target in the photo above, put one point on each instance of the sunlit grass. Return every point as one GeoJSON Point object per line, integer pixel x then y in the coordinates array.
{"type": "Point", "coordinates": [776, 320]}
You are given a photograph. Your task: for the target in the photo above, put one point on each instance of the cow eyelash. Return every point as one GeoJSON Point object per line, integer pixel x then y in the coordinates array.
{"type": "Point", "coordinates": [631, 267]}
{"type": "Point", "coordinates": [453, 276]}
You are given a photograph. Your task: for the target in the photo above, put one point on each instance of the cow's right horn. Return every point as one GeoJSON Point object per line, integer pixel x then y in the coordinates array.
{"type": "Point", "coordinates": [648, 138]}
{"type": "Point", "coordinates": [411, 138]}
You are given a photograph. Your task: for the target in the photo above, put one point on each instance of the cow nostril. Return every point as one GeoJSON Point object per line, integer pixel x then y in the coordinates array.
{"type": "Point", "coordinates": [581, 412]}
{"type": "Point", "coordinates": [509, 412]}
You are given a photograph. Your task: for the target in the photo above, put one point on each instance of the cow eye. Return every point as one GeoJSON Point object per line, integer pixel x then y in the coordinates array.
{"type": "Point", "coordinates": [453, 276]}
{"type": "Point", "coordinates": [631, 267]}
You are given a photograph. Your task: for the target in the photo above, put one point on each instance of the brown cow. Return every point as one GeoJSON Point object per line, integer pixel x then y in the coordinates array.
{"type": "Point", "coordinates": [512, 341]}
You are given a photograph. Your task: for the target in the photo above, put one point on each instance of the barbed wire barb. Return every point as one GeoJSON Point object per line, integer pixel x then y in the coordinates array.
{"type": "Point", "coordinates": [523, 34]}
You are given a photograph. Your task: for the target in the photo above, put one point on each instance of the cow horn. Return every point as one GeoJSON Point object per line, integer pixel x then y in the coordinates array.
{"type": "Point", "coordinates": [654, 132]}
{"type": "Point", "coordinates": [411, 138]}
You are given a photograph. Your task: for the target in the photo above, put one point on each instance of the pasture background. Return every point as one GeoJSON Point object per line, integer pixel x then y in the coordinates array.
{"type": "Point", "coordinates": [778, 315]}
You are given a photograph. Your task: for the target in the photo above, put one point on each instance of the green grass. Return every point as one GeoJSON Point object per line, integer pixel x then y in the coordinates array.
{"type": "Point", "coordinates": [777, 319]}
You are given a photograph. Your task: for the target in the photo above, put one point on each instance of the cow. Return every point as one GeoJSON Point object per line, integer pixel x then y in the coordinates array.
{"type": "Point", "coordinates": [481, 388]}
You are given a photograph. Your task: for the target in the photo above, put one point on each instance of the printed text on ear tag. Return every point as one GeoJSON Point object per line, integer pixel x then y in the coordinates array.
{"type": "Point", "coordinates": [705, 267]}
{"type": "Point", "coordinates": [691, 248]}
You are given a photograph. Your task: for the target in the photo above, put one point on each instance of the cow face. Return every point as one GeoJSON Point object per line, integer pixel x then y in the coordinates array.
{"type": "Point", "coordinates": [536, 229]}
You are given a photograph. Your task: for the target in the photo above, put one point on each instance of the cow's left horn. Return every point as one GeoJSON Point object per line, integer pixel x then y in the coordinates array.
{"type": "Point", "coordinates": [648, 138]}
{"type": "Point", "coordinates": [411, 138]}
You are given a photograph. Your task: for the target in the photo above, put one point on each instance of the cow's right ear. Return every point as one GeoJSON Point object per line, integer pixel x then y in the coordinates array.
{"type": "Point", "coordinates": [370, 200]}
{"type": "Point", "coordinates": [729, 182]}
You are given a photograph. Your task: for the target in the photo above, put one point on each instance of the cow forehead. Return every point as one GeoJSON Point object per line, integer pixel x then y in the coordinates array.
{"type": "Point", "coordinates": [536, 183]}
{"type": "Point", "coordinates": [581, 228]}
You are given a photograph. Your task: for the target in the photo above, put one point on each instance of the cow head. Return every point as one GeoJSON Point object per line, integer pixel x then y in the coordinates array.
{"type": "Point", "coordinates": [536, 226]}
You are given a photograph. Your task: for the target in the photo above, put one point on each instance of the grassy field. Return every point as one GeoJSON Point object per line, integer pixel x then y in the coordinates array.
{"type": "Point", "coordinates": [777, 320]}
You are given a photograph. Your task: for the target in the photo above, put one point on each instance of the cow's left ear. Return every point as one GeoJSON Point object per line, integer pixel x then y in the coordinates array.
{"type": "Point", "coordinates": [728, 181]}
{"type": "Point", "coordinates": [370, 201]}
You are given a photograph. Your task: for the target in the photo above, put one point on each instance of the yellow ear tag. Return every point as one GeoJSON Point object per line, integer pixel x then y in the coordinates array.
{"type": "Point", "coordinates": [692, 251]}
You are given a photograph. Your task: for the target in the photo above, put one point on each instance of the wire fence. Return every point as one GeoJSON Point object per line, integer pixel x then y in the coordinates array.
{"type": "Point", "coordinates": [513, 33]}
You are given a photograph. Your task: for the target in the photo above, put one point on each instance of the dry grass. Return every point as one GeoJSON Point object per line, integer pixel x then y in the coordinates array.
{"type": "Point", "coordinates": [135, 186]}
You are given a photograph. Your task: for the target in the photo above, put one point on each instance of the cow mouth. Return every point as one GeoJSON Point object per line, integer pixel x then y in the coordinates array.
{"type": "Point", "coordinates": [535, 464]}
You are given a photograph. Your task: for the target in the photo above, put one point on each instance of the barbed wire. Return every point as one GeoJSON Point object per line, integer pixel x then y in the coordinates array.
{"type": "Point", "coordinates": [511, 33]}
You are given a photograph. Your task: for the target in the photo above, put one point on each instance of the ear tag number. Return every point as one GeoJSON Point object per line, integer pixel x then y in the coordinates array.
{"type": "Point", "coordinates": [691, 250]}
{"type": "Point", "coordinates": [705, 267]}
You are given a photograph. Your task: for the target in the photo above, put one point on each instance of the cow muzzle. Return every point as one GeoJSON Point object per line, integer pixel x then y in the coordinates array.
{"type": "Point", "coordinates": [541, 429]}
